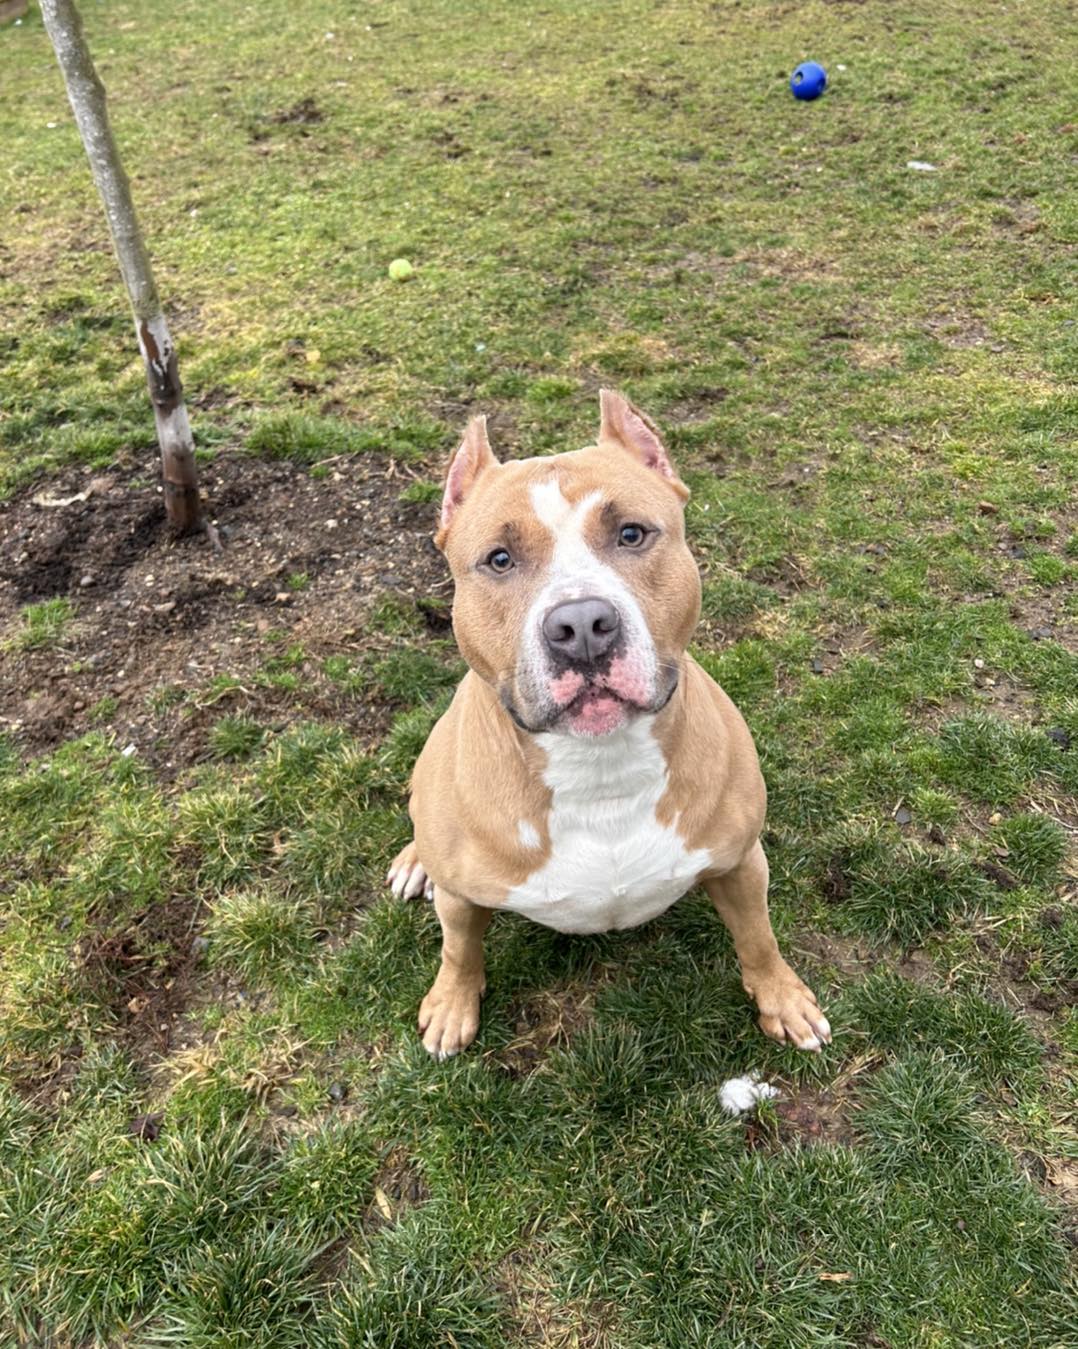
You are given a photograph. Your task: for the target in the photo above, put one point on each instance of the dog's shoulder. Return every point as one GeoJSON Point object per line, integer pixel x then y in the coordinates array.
{"type": "Point", "coordinates": [478, 801]}
{"type": "Point", "coordinates": [715, 792]}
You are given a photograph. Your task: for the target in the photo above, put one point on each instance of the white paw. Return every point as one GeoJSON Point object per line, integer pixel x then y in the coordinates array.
{"type": "Point", "coordinates": [407, 877]}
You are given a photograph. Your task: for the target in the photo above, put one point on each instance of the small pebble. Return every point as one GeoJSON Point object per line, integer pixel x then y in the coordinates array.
{"type": "Point", "coordinates": [337, 1092]}
{"type": "Point", "coordinates": [86, 580]}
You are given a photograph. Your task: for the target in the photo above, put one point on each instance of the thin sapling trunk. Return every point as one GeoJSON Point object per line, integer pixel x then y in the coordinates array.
{"type": "Point", "coordinates": [87, 96]}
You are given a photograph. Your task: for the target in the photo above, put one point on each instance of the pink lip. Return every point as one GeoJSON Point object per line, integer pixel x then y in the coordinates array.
{"type": "Point", "coordinates": [597, 713]}
{"type": "Point", "coordinates": [625, 680]}
{"type": "Point", "coordinates": [566, 687]}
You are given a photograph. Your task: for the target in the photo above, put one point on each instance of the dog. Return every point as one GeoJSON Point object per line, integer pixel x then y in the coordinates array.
{"type": "Point", "coordinates": [588, 772]}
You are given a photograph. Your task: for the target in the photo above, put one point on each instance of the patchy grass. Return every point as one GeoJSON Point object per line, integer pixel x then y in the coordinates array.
{"type": "Point", "coordinates": [44, 624]}
{"type": "Point", "coordinates": [866, 374]}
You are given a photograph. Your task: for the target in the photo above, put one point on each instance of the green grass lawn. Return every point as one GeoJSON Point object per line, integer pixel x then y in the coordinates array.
{"type": "Point", "coordinates": [867, 376]}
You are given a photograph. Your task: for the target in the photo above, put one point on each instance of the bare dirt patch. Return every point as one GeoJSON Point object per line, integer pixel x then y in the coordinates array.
{"type": "Point", "coordinates": [1061, 1178]}
{"type": "Point", "coordinates": [146, 971]}
{"type": "Point", "coordinates": [851, 958]}
{"type": "Point", "coordinates": [305, 559]}
{"type": "Point", "coordinates": [1044, 618]}
{"type": "Point", "coordinates": [812, 1118]}
{"type": "Point", "coordinates": [961, 332]}
{"type": "Point", "coordinates": [144, 976]}
{"type": "Point", "coordinates": [544, 1021]}
{"type": "Point", "coordinates": [807, 1116]}
{"type": "Point", "coordinates": [398, 1186]}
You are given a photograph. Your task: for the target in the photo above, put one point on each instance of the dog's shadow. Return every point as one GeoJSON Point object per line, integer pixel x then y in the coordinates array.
{"type": "Point", "coordinates": [664, 999]}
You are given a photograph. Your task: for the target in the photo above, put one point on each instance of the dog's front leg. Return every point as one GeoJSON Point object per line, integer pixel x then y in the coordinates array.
{"type": "Point", "coordinates": [449, 1014]}
{"type": "Point", "coordinates": [788, 1008]}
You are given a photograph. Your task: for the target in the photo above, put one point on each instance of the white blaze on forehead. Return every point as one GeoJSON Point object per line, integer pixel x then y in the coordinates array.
{"type": "Point", "coordinates": [565, 521]}
{"type": "Point", "coordinates": [576, 571]}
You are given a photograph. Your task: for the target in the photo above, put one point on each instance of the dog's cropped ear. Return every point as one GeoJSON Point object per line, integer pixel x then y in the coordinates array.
{"type": "Point", "coordinates": [472, 457]}
{"type": "Point", "coordinates": [622, 424]}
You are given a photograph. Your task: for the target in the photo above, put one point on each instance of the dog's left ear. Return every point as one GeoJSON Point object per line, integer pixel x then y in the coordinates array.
{"type": "Point", "coordinates": [472, 456]}
{"type": "Point", "coordinates": [622, 424]}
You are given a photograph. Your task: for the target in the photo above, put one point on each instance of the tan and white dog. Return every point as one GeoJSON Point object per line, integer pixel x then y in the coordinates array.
{"type": "Point", "coordinates": [588, 773]}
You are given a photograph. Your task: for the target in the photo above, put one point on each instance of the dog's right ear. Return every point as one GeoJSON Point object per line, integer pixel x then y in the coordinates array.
{"type": "Point", "coordinates": [472, 457]}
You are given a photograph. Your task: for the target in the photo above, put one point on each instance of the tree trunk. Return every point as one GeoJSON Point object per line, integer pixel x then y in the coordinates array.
{"type": "Point", "coordinates": [87, 96]}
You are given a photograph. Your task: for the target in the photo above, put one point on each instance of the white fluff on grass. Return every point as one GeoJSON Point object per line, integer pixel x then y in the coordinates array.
{"type": "Point", "coordinates": [741, 1093]}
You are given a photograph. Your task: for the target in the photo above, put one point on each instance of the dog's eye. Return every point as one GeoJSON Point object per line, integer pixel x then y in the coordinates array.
{"type": "Point", "coordinates": [632, 536]}
{"type": "Point", "coordinates": [500, 560]}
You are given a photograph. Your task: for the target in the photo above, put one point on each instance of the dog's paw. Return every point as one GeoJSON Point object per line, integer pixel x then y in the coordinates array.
{"type": "Point", "coordinates": [449, 1015]}
{"type": "Point", "coordinates": [407, 877]}
{"type": "Point", "coordinates": [789, 1011]}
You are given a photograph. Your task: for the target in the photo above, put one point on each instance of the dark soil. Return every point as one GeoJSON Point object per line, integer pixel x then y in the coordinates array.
{"type": "Point", "coordinates": [545, 1021]}
{"type": "Point", "coordinates": [145, 973]}
{"type": "Point", "coordinates": [157, 618]}
{"type": "Point", "coordinates": [812, 1118]}
{"type": "Point", "coordinates": [397, 1188]}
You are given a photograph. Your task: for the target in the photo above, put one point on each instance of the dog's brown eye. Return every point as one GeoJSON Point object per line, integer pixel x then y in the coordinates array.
{"type": "Point", "coordinates": [632, 536]}
{"type": "Point", "coordinates": [500, 560]}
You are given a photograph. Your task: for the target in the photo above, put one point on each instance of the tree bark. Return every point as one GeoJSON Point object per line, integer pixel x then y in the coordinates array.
{"type": "Point", "coordinates": [86, 94]}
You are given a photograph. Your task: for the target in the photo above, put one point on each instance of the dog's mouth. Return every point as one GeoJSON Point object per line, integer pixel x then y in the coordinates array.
{"type": "Point", "coordinates": [596, 710]}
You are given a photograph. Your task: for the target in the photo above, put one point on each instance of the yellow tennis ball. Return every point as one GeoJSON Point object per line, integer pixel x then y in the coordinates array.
{"type": "Point", "coordinates": [400, 269]}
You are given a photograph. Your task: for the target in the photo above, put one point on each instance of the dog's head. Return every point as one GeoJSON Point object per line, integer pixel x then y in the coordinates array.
{"type": "Point", "coordinates": [576, 593]}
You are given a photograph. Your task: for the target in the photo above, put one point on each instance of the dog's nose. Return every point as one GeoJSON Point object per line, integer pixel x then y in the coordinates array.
{"type": "Point", "coordinates": [582, 630]}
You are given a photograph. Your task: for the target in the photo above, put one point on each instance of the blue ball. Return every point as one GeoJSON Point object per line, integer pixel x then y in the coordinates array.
{"type": "Point", "coordinates": [809, 80]}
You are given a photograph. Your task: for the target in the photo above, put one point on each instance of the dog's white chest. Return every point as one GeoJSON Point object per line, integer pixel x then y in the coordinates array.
{"type": "Point", "coordinates": [611, 864]}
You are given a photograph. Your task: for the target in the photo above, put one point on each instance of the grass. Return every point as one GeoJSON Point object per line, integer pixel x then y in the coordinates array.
{"type": "Point", "coordinates": [44, 624]}
{"type": "Point", "coordinates": [867, 375]}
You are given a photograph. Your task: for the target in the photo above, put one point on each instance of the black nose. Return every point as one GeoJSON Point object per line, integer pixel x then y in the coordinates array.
{"type": "Point", "coordinates": [582, 630]}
